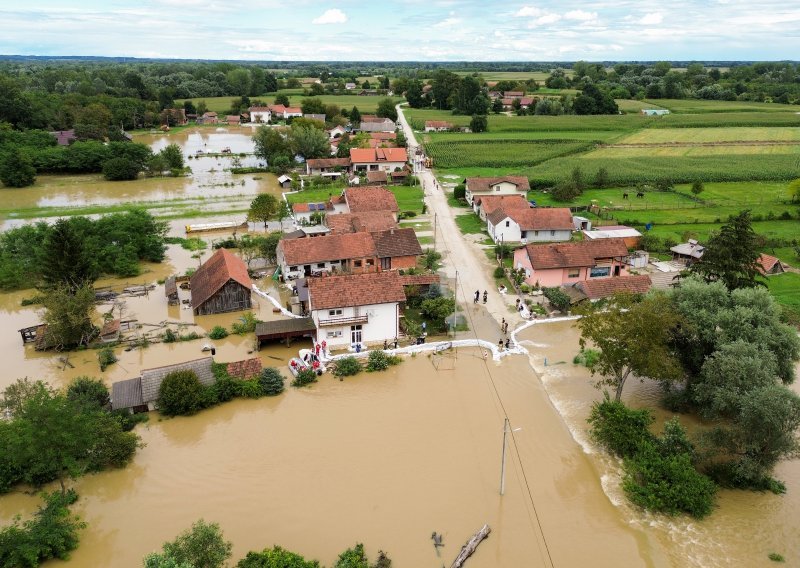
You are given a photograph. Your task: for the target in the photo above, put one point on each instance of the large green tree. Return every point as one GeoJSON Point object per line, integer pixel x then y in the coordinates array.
{"type": "Point", "coordinates": [270, 144]}
{"type": "Point", "coordinates": [310, 142]}
{"type": "Point", "coordinates": [202, 546]}
{"type": "Point", "coordinates": [16, 169]}
{"type": "Point", "coordinates": [68, 314]}
{"type": "Point", "coordinates": [731, 255]}
{"type": "Point", "coordinates": [386, 108]}
{"type": "Point", "coordinates": [633, 338]}
{"type": "Point", "coordinates": [263, 208]}
{"type": "Point", "coordinates": [64, 256]}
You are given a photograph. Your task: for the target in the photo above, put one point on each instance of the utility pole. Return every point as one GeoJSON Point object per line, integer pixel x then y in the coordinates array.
{"type": "Point", "coordinates": [506, 430]}
{"type": "Point", "coordinates": [455, 305]}
{"type": "Point", "coordinates": [435, 217]}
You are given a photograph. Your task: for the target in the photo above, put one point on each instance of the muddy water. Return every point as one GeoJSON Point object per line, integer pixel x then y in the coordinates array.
{"type": "Point", "coordinates": [210, 177]}
{"type": "Point", "coordinates": [746, 526]}
{"type": "Point", "coordinates": [385, 459]}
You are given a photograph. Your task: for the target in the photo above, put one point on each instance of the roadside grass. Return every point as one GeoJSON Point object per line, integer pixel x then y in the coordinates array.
{"type": "Point", "coordinates": [470, 224]}
{"type": "Point", "coordinates": [425, 240]}
{"type": "Point", "coordinates": [223, 104]}
{"type": "Point", "coordinates": [786, 290]}
{"type": "Point", "coordinates": [418, 226]}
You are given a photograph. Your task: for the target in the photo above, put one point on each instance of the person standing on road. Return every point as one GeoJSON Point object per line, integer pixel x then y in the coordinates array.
{"type": "Point", "coordinates": [485, 296]}
{"type": "Point", "coordinates": [477, 295]}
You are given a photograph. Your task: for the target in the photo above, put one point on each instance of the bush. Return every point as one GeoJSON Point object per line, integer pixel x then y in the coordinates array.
{"type": "Point", "coordinates": [618, 428]}
{"type": "Point", "coordinates": [346, 367]}
{"type": "Point", "coordinates": [225, 388]}
{"type": "Point", "coordinates": [218, 332]}
{"type": "Point", "coordinates": [271, 381]}
{"type": "Point", "coordinates": [460, 191]}
{"type": "Point", "coordinates": [246, 324]}
{"type": "Point", "coordinates": [127, 420]}
{"type": "Point", "coordinates": [170, 336]}
{"type": "Point", "coordinates": [587, 357]}
{"type": "Point", "coordinates": [557, 298]}
{"type": "Point", "coordinates": [181, 394]}
{"type": "Point", "coordinates": [499, 272]}
{"type": "Point", "coordinates": [251, 388]}
{"type": "Point", "coordinates": [304, 377]}
{"type": "Point", "coordinates": [379, 361]}
{"type": "Point", "coordinates": [106, 357]}
{"type": "Point", "coordinates": [88, 392]}
{"type": "Point", "coordinates": [118, 169]}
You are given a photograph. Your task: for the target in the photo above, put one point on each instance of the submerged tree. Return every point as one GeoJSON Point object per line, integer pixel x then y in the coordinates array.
{"type": "Point", "coordinates": [68, 315]}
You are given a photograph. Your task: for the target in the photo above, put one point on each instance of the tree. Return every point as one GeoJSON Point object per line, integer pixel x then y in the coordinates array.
{"type": "Point", "coordinates": [414, 94]}
{"type": "Point", "coordinates": [697, 187]}
{"type": "Point", "coordinates": [67, 313]}
{"type": "Point", "coordinates": [437, 309]}
{"type": "Point", "coordinates": [794, 190]}
{"type": "Point", "coordinates": [312, 106]}
{"type": "Point", "coordinates": [271, 381]}
{"type": "Point", "coordinates": [386, 109]}
{"type": "Point", "coordinates": [181, 393]}
{"type": "Point", "coordinates": [240, 81]}
{"type": "Point", "coordinates": [633, 337]}
{"type": "Point", "coordinates": [88, 392]}
{"type": "Point", "coordinates": [16, 169]}
{"type": "Point", "coordinates": [355, 116]}
{"type": "Point", "coordinates": [270, 144]}
{"type": "Point", "coordinates": [120, 169]}
{"type": "Point", "coordinates": [601, 179]}
{"type": "Point", "coordinates": [263, 208]}
{"type": "Point", "coordinates": [365, 84]}
{"type": "Point", "coordinates": [173, 156]}
{"type": "Point", "coordinates": [276, 557]}
{"type": "Point", "coordinates": [479, 123]}
{"type": "Point", "coordinates": [557, 298]}
{"type": "Point", "coordinates": [269, 246]}
{"type": "Point", "coordinates": [310, 142]}
{"type": "Point", "coordinates": [64, 256]}
{"type": "Point", "coordinates": [497, 106]}
{"type": "Point", "coordinates": [202, 546]}
{"type": "Point", "coordinates": [353, 558]}
{"type": "Point", "coordinates": [731, 255]}
{"type": "Point", "coordinates": [282, 99]}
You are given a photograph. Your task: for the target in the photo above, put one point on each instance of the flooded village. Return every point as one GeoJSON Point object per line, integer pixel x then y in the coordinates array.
{"type": "Point", "coordinates": [384, 458]}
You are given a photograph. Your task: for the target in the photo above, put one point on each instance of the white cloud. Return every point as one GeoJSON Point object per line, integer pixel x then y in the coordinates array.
{"type": "Point", "coordinates": [652, 19]}
{"type": "Point", "coordinates": [580, 15]}
{"type": "Point", "coordinates": [547, 19]}
{"type": "Point", "coordinates": [332, 16]}
{"type": "Point", "coordinates": [529, 12]}
{"type": "Point", "coordinates": [448, 22]}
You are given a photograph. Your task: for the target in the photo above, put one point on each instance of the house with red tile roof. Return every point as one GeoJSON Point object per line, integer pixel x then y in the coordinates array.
{"type": "Point", "coordinates": [260, 114]}
{"type": "Point", "coordinates": [483, 205]}
{"type": "Point", "coordinates": [376, 124]}
{"type": "Point", "coordinates": [368, 221]}
{"type": "Point", "coordinates": [438, 126]}
{"type": "Point", "coordinates": [556, 264]}
{"type": "Point", "coordinates": [364, 199]}
{"type": "Point", "coordinates": [511, 224]}
{"type": "Point", "coordinates": [372, 159]}
{"type": "Point", "coordinates": [221, 284]}
{"type": "Point", "coordinates": [233, 119]}
{"type": "Point", "coordinates": [328, 167]}
{"type": "Point", "coordinates": [505, 185]}
{"type": "Point", "coordinates": [356, 310]}
{"type": "Point", "coordinates": [770, 265]}
{"type": "Point", "coordinates": [599, 288]}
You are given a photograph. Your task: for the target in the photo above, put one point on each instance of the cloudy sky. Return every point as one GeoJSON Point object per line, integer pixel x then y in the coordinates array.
{"type": "Point", "coordinates": [403, 30]}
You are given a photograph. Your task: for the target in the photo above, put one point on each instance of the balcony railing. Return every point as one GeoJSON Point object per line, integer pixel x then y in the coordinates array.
{"type": "Point", "coordinates": [327, 322]}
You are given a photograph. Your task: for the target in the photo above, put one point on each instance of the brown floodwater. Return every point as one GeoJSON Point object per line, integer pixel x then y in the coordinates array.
{"type": "Point", "coordinates": [210, 179]}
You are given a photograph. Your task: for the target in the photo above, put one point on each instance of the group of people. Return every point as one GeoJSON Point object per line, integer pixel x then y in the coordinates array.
{"type": "Point", "coordinates": [478, 296]}
{"type": "Point", "coordinates": [504, 330]}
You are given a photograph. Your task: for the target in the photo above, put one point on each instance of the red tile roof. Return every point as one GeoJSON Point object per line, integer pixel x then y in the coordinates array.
{"type": "Point", "coordinates": [767, 262]}
{"type": "Point", "coordinates": [246, 369]}
{"type": "Point", "coordinates": [535, 219]}
{"type": "Point", "coordinates": [419, 279]}
{"type": "Point", "coordinates": [258, 109]}
{"type": "Point", "coordinates": [361, 199]}
{"type": "Point", "coordinates": [491, 202]}
{"type": "Point", "coordinates": [307, 207]}
{"type": "Point", "coordinates": [111, 327]}
{"type": "Point", "coordinates": [383, 135]}
{"type": "Point", "coordinates": [378, 155]}
{"type": "Point", "coordinates": [294, 110]}
{"type": "Point", "coordinates": [328, 292]}
{"type": "Point", "coordinates": [486, 183]}
{"type": "Point", "coordinates": [328, 163]}
{"type": "Point", "coordinates": [327, 248]}
{"type": "Point", "coordinates": [221, 267]}
{"type": "Point", "coordinates": [513, 93]}
{"type": "Point", "coordinates": [369, 221]}
{"type": "Point", "coordinates": [377, 177]}
{"type": "Point", "coordinates": [438, 124]}
{"type": "Point", "coordinates": [596, 288]}
{"type": "Point", "coordinates": [374, 118]}
{"type": "Point", "coordinates": [233, 119]}
{"type": "Point", "coordinates": [575, 254]}
{"type": "Point", "coordinates": [396, 242]}
{"type": "Point", "coordinates": [277, 108]}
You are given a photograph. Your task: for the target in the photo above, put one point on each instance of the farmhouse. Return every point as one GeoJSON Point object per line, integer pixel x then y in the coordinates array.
{"type": "Point", "coordinates": [329, 167]}
{"type": "Point", "coordinates": [336, 132]}
{"type": "Point", "coordinates": [688, 252]}
{"type": "Point", "coordinates": [629, 235]}
{"type": "Point", "coordinates": [260, 114]}
{"type": "Point", "coordinates": [368, 124]}
{"type": "Point", "coordinates": [506, 185]}
{"type": "Point", "coordinates": [356, 310]}
{"type": "Point", "coordinates": [377, 178]}
{"type": "Point", "coordinates": [566, 263]}
{"type": "Point", "coordinates": [233, 120]}
{"type": "Point", "coordinates": [483, 205]}
{"type": "Point", "coordinates": [366, 199]}
{"type": "Point", "coordinates": [351, 252]}
{"type": "Point", "coordinates": [437, 126]}
{"type": "Point", "coordinates": [221, 285]}
{"type": "Point", "coordinates": [208, 118]}
{"type": "Point", "coordinates": [396, 248]}
{"type": "Point", "coordinates": [515, 224]}
{"type": "Point", "coordinates": [371, 159]}
{"type": "Point", "coordinates": [302, 212]}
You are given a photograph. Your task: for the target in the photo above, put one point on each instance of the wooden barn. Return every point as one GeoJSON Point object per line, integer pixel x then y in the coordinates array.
{"type": "Point", "coordinates": [221, 285]}
{"type": "Point", "coordinates": [171, 291]}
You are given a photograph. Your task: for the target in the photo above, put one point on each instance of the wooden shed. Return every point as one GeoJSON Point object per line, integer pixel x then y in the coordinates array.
{"type": "Point", "coordinates": [221, 285]}
{"type": "Point", "coordinates": [284, 329]}
{"type": "Point", "coordinates": [171, 291]}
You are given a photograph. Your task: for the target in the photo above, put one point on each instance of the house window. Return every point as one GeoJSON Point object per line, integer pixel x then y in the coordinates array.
{"type": "Point", "coordinates": [508, 223]}
{"type": "Point", "coordinates": [536, 233]}
{"type": "Point", "coordinates": [335, 312]}
{"type": "Point", "coordinates": [599, 271]}
{"type": "Point", "coordinates": [552, 233]}
{"type": "Point", "coordinates": [292, 268]}
{"type": "Point", "coordinates": [320, 265]}
{"type": "Point", "coordinates": [370, 262]}
{"type": "Point", "coordinates": [386, 263]}
{"type": "Point", "coordinates": [573, 272]}
{"type": "Point", "coordinates": [334, 334]}
{"type": "Point", "coordinates": [357, 263]}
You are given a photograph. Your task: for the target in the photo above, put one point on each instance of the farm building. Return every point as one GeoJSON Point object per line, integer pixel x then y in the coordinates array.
{"type": "Point", "coordinates": [221, 285]}
{"type": "Point", "coordinates": [285, 181]}
{"type": "Point", "coordinates": [525, 224]}
{"type": "Point", "coordinates": [506, 185]}
{"type": "Point", "coordinates": [286, 329]}
{"type": "Point", "coordinates": [770, 265]}
{"type": "Point", "coordinates": [629, 235]}
{"type": "Point", "coordinates": [438, 126]}
{"type": "Point", "coordinates": [171, 291]}
{"type": "Point", "coordinates": [594, 290]}
{"type": "Point", "coordinates": [654, 111]}
{"type": "Point", "coordinates": [567, 263]}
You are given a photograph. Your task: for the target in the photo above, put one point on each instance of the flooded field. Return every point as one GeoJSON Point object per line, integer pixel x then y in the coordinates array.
{"type": "Point", "coordinates": [209, 184]}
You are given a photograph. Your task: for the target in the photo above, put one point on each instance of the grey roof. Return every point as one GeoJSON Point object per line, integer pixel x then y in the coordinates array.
{"type": "Point", "coordinates": [151, 378]}
{"type": "Point", "coordinates": [294, 325]}
{"type": "Point", "coordinates": [170, 286]}
{"type": "Point", "coordinates": [386, 126]}
{"type": "Point", "coordinates": [126, 394]}
{"type": "Point", "coordinates": [692, 249]}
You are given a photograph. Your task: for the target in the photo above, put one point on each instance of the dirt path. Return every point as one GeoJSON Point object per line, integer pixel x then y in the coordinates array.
{"type": "Point", "coordinates": [474, 270]}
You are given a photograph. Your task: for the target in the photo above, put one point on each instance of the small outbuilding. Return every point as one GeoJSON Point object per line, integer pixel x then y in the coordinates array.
{"type": "Point", "coordinates": [286, 329]}
{"type": "Point", "coordinates": [221, 285]}
{"type": "Point", "coordinates": [171, 291]}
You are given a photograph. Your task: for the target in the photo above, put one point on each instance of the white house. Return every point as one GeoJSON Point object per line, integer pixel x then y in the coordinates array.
{"type": "Point", "coordinates": [361, 309]}
{"type": "Point", "coordinates": [438, 126]}
{"type": "Point", "coordinates": [349, 86]}
{"type": "Point", "coordinates": [506, 185]}
{"type": "Point", "coordinates": [529, 225]}
{"type": "Point", "coordinates": [336, 132]}
{"type": "Point", "coordinates": [260, 114]}
{"type": "Point", "coordinates": [373, 159]}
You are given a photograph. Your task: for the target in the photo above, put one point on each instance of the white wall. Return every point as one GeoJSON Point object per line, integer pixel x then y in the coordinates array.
{"type": "Point", "coordinates": [547, 236]}
{"type": "Point", "coordinates": [513, 233]}
{"type": "Point", "coordinates": [381, 166]}
{"type": "Point", "coordinates": [502, 188]}
{"type": "Point", "coordinates": [382, 325]}
{"type": "Point", "coordinates": [263, 115]}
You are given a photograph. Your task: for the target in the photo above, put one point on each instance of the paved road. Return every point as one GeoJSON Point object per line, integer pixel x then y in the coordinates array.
{"type": "Point", "coordinates": [474, 269]}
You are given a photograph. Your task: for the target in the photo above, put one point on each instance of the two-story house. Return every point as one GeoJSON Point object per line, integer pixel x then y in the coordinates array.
{"type": "Point", "coordinates": [373, 159]}
{"type": "Point", "coordinates": [506, 185]}
{"type": "Point", "coordinates": [556, 264]}
{"type": "Point", "coordinates": [526, 224]}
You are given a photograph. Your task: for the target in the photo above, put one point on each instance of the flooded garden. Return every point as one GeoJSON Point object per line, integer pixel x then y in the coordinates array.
{"type": "Point", "coordinates": [383, 458]}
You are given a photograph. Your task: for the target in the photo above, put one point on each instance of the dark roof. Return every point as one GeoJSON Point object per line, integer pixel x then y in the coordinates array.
{"type": "Point", "coordinates": [486, 183]}
{"type": "Point", "coordinates": [329, 292]}
{"type": "Point", "coordinates": [170, 286]}
{"type": "Point", "coordinates": [127, 394]}
{"type": "Point", "coordinates": [567, 255]}
{"type": "Point", "coordinates": [111, 327]}
{"type": "Point", "coordinates": [329, 247]}
{"type": "Point", "coordinates": [152, 378]}
{"type": "Point", "coordinates": [284, 326]}
{"type": "Point", "coordinates": [597, 288]}
{"type": "Point", "coordinates": [370, 199]}
{"type": "Point", "coordinates": [396, 242]}
{"type": "Point", "coordinates": [215, 273]}
{"type": "Point", "coordinates": [328, 163]}
{"type": "Point", "coordinates": [378, 176]}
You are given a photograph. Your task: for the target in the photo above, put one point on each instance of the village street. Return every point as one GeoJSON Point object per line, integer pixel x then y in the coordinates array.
{"type": "Point", "coordinates": [474, 271]}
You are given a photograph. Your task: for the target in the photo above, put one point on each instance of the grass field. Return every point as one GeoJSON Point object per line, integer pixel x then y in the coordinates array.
{"type": "Point", "coordinates": [786, 289]}
{"type": "Point", "coordinates": [700, 106]}
{"type": "Point", "coordinates": [705, 135]}
{"type": "Point", "coordinates": [633, 106]}
{"type": "Point", "coordinates": [470, 224]}
{"type": "Point", "coordinates": [501, 153]}
{"type": "Point", "coordinates": [364, 104]}
{"type": "Point", "coordinates": [608, 136]}
{"type": "Point", "coordinates": [408, 198]}
{"type": "Point", "coordinates": [692, 151]}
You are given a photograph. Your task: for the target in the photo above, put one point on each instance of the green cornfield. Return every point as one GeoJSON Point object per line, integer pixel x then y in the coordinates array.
{"type": "Point", "coordinates": [501, 153]}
